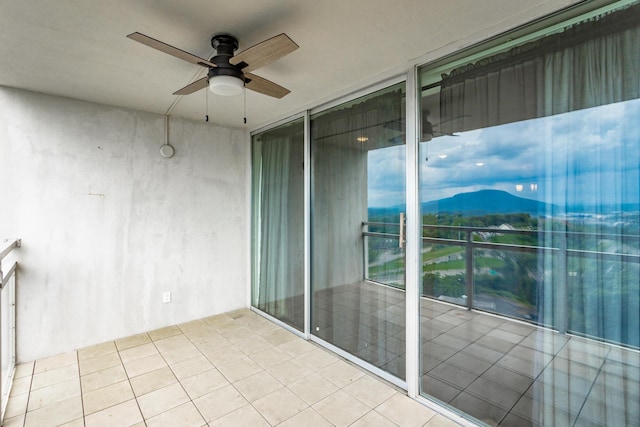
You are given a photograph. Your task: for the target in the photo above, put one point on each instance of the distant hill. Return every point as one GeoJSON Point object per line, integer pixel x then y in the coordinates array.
{"type": "Point", "coordinates": [485, 202]}
{"type": "Point", "coordinates": [478, 203]}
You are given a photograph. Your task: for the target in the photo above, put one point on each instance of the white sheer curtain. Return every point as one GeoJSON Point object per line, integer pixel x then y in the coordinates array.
{"type": "Point", "coordinates": [599, 74]}
{"type": "Point", "coordinates": [591, 65]}
{"type": "Point", "coordinates": [278, 282]}
{"type": "Point", "coordinates": [581, 89]}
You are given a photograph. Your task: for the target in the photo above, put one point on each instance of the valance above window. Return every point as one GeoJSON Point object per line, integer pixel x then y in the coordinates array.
{"type": "Point", "coordinates": [586, 65]}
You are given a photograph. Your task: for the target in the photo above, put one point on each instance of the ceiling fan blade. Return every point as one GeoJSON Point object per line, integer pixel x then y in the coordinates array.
{"type": "Point", "coordinates": [173, 51]}
{"type": "Point", "coordinates": [264, 53]}
{"type": "Point", "coordinates": [193, 87]}
{"type": "Point", "coordinates": [264, 86]}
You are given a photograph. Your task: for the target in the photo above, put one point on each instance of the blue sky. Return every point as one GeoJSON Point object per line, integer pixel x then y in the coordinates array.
{"type": "Point", "coordinates": [583, 157]}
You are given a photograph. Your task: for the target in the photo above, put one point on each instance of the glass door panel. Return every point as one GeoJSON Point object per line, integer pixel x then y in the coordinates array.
{"type": "Point", "coordinates": [358, 203]}
{"type": "Point", "coordinates": [530, 229]}
{"type": "Point", "coordinates": [278, 223]}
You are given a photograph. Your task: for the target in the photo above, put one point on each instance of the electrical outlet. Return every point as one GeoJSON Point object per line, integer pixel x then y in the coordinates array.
{"type": "Point", "coordinates": [166, 297]}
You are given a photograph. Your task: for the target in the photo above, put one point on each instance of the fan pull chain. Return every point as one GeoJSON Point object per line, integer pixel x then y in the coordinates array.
{"type": "Point", "coordinates": [244, 94]}
{"type": "Point", "coordinates": [206, 108]}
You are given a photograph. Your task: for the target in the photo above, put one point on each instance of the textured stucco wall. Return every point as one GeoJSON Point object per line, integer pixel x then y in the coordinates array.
{"type": "Point", "coordinates": [107, 224]}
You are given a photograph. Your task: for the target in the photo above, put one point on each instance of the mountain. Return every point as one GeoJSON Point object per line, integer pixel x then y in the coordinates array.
{"type": "Point", "coordinates": [485, 202]}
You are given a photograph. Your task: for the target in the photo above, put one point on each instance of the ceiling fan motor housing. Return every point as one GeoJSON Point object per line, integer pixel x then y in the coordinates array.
{"type": "Point", "coordinates": [225, 45]}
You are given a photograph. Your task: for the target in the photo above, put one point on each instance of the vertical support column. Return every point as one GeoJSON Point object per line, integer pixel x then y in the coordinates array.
{"type": "Point", "coordinates": [413, 235]}
{"type": "Point", "coordinates": [12, 318]}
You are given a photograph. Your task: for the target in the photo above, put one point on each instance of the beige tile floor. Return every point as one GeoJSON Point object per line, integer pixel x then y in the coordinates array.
{"type": "Point", "coordinates": [234, 369]}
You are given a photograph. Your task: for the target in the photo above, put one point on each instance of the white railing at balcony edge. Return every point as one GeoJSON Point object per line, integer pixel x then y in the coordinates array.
{"type": "Point", "coordinates": [7, 321]}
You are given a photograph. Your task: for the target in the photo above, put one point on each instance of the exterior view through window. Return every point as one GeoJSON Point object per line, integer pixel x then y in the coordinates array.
{"type": "Point", "coordinates": [530, 206]}
{"type": "Point", "coordinates": [358, 199]}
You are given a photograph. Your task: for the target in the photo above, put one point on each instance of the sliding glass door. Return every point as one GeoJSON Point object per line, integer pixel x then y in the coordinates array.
{"type": "Point", "coordinates": [358, 204]}
{"type": "Point", "coordinates": [278, 223]}
{"type": "Point", "coordinates": [527, 248]}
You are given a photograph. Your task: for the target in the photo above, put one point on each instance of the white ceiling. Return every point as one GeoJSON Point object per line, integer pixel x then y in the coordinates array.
{"type": "Point", "coordinates": [78, 48]}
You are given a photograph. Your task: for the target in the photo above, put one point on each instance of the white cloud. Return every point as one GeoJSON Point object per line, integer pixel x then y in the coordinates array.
{"type": "Point", "coordinates": [575, 153]}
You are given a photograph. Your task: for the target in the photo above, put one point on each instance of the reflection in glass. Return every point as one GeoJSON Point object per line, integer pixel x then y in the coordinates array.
{"type": "Point", "coordinates": [505, 282]}
{"type": "Point", "coordinates": [444, 272]}
{"type": "Point", "coordinates": [358, 196]}
{"type": "Point", "coordinates": [530, 200]}
{"type": "Point", "coordinates": [385, 259]}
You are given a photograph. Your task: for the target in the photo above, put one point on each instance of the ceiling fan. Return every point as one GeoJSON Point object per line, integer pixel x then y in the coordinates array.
{"type": "Point", "coordinates": [429, 130]}
{"type": "Point", "coordinates": [229, 73]}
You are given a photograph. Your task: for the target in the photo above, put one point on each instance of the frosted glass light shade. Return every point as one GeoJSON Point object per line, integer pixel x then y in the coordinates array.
{"type": "Point", "coordinates": [226, 85]}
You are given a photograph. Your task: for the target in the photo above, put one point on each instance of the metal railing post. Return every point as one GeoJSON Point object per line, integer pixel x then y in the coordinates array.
{"type": "Point", "coordinates": [561, 307]}
{"type": "Point", "coordinates": [4, 280]}
{"type": "Point", "coordinates": [469, 268]}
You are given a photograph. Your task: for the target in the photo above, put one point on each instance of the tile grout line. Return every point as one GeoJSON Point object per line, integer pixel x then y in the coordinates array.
{"type": "Point", "coordinates": [26, 409]}
{"type": "Point", "coordinates": [84, 418]}
{"type": "Point", "coordinates": [179, 380]}
{"type": "Point", "coordinates": [144, 421]}
{"type": "Point", "coordinates": [586, 397]}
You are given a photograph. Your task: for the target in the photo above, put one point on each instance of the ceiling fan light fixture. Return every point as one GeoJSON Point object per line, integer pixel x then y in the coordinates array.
{"type": "Point", "coordinates": [427, 130]}
{"type": "Point", "coordinates": [226, 85]}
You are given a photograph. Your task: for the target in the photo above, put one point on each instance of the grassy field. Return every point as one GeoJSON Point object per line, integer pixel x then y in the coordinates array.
{"type": "Point", "coordinates": [457, 264]}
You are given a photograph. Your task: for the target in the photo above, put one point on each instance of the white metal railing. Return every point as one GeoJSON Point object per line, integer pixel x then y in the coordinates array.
{"type": "Point", "coordinates": [7, 321]}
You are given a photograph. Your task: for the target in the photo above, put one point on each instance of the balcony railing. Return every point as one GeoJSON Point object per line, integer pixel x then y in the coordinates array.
{"type": "Point", "coordinates": [558, 279]}
{"type": "Point", "coordinates": [7, 320]}
{"type": "Point", "coordinates": [383, 256]}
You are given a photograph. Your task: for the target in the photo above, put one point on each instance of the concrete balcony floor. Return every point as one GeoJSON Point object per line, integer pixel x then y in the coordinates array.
{"type": "Point", "coordinates": [234, 369]}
